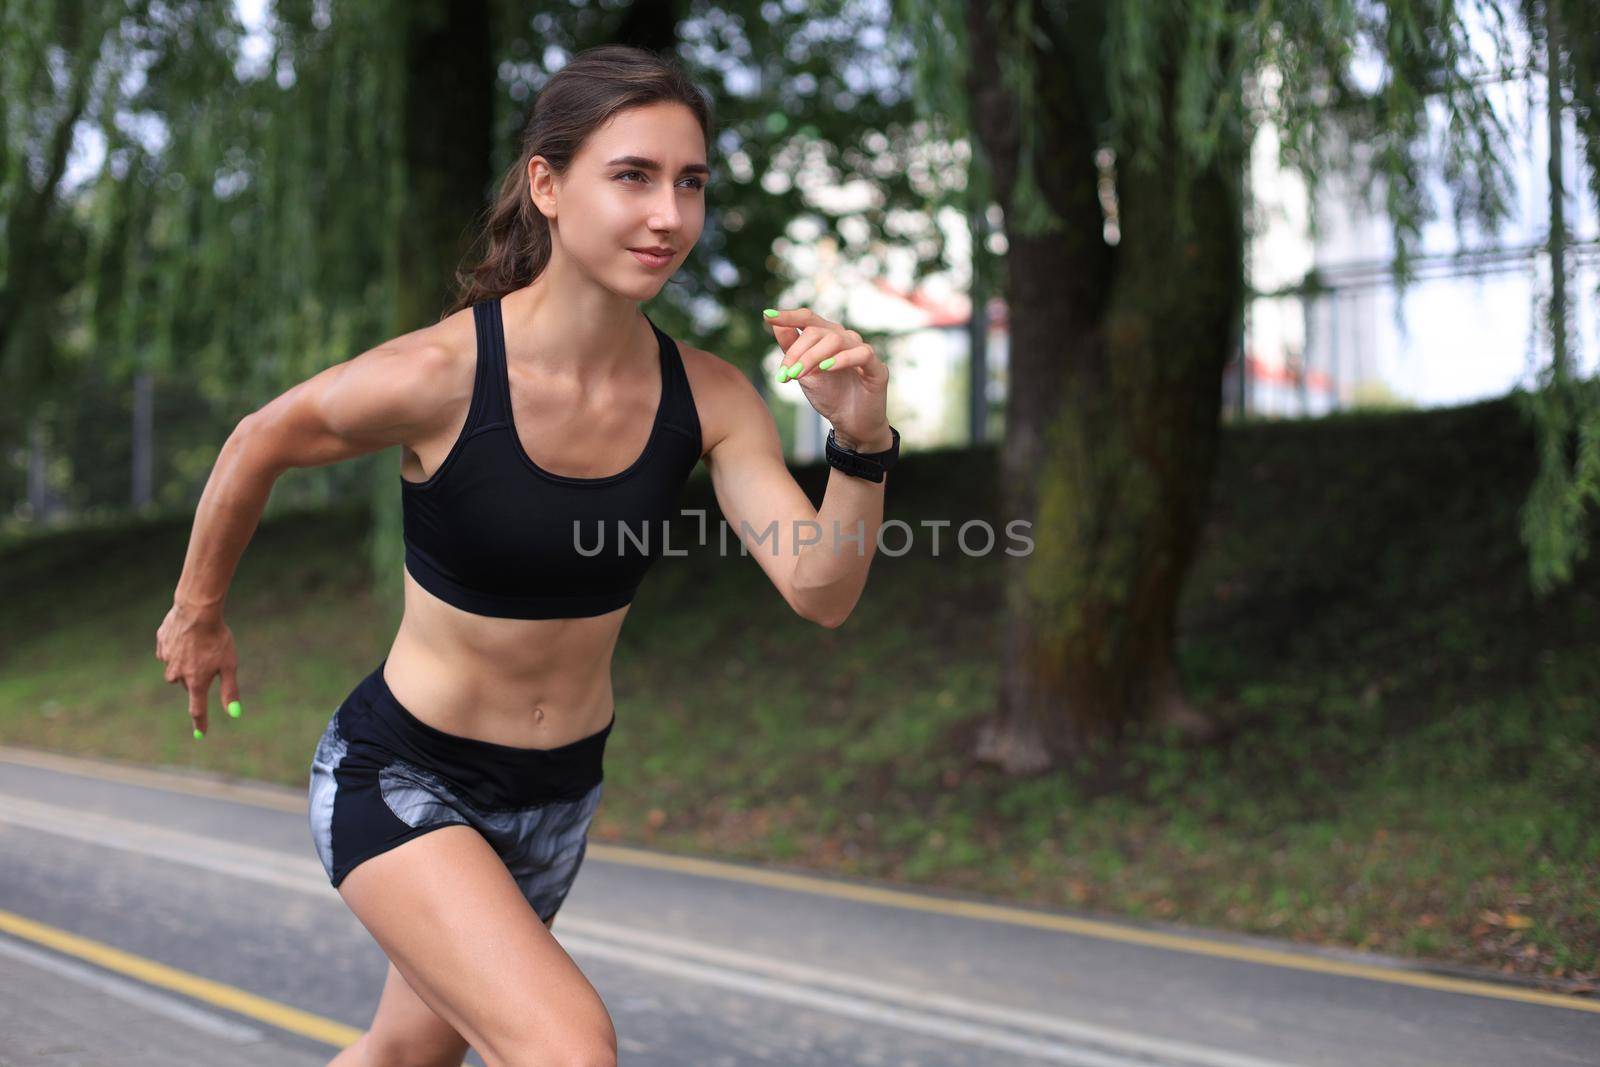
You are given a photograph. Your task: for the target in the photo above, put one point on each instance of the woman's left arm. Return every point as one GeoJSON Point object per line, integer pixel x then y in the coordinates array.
{"type": "Point", "coordinates": [820, 569]}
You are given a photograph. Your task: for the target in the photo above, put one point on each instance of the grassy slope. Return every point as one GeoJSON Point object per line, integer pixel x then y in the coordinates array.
{"type": "Point", "coordinates": [1413, 751]}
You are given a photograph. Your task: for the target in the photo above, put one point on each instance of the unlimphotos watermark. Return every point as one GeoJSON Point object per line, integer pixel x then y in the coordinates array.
{"type": "Point", "coordinates": [895, 537]}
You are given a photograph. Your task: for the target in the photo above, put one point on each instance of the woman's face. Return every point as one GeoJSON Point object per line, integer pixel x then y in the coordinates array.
{"type": "Point", "coordinates": [638, 182]}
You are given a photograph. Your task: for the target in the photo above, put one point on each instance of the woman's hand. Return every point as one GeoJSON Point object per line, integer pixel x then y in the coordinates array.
{"type": "Point", "coordinates": [841, 376]}
{"type": "Point", "coordinates": [196, 646]}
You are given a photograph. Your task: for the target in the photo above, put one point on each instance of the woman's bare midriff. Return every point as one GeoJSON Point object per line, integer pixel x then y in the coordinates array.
{"type": "Point", "coordinates": [529, 683]}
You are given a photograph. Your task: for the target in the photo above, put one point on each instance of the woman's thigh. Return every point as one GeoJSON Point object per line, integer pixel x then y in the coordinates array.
{"type": "Point", "coordinates": [447, 913]}
{"type": "Point", "coordinates": [405, 1030]}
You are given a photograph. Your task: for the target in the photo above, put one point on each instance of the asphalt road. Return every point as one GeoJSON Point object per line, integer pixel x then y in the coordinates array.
{"type": "Point", "coordinates": [176, 915]}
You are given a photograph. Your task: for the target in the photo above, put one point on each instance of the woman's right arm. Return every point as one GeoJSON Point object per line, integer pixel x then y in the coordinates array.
{"type": "Point", "coordinates": [383, 397]}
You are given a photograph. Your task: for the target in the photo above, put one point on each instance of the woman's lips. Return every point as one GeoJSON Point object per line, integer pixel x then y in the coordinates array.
{"type": "Point", "coordinates": [650, 259]}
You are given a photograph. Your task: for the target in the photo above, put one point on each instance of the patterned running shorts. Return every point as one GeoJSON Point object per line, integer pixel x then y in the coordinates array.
{"type": "Point", "coordinates": [381, 776]}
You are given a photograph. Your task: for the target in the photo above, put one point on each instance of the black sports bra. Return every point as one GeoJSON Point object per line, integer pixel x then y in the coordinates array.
{"type": "Point", "coordinates": [494, 533]}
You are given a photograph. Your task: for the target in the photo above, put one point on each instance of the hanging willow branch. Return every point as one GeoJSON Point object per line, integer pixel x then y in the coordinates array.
{"type": "Point", "coordinates": [242, 222]}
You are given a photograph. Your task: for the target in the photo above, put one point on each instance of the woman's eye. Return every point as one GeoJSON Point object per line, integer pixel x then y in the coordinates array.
{"type": "Point", "coordinates": [698, 184]}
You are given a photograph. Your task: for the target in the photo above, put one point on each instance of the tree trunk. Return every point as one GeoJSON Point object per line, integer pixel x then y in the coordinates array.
{"type": "Point", "coordinates": [978, 335]}
{"type": "Point", "coordinates": [1558, 197]}
{"type": "Point", "coordinates": [34, 213]}
{"type": "Point", "coordinates": [143, 463]}
{"type": "Point", "coordinates": [1112, 415]}
{"type": "Point", "coordinates": [448, 102]}
{"type": "Point", "coordinates": [43, 504]}
{"type": "Point", "coordinates": [449, 107]}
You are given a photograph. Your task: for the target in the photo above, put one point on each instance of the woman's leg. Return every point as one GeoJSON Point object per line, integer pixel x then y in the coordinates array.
{"type": "Point", "coordinates": [468, 947]}
{"type": "Point", "coordinates": [405, 1032]}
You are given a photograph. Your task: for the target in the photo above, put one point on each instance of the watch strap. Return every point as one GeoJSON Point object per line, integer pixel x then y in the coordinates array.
{"type": "Point", "coordinates": [868, 465]}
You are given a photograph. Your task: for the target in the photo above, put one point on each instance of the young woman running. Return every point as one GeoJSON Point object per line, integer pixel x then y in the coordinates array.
{"type": "Point", "coordinates": [452, 790]}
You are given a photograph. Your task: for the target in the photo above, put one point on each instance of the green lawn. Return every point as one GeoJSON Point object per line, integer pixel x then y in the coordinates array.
{"type": "Point", "coordinates": [1412, 761]}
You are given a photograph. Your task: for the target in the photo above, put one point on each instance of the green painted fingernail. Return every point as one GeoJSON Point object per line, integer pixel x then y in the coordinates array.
{"type": "Point", "coordinates": [770, 313]}
{"type": "Point", "coordinates": [794, 371]}
{"type": "Point", "coordinates": [783, 375]}
{"type": "Point", "coordinates": [235, 709]}
{"type": "Point", "coordinates": [197, 734]}
{"type": "Point", "coordinates": [826, 364]}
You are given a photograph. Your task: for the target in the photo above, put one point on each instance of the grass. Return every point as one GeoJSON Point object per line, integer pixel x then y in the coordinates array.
{"type": "Point", "coordinates": [1412, 757]}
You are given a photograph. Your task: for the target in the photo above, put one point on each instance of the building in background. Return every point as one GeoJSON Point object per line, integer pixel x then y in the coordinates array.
{"type": "Point", "coordinates": [1331, 329]}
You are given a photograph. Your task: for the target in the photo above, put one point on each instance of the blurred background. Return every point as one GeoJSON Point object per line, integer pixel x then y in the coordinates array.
{"type": "Point", "coordinates": [1277, 323]}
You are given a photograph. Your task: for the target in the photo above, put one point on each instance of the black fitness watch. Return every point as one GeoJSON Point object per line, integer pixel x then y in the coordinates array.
{"type": "Point", "coordinates": [868, 465]}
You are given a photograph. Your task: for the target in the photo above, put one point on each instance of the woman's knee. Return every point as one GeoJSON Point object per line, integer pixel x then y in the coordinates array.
{"type": "Point", "coordinates": [376, 1050]}
{"type": "Point", "coordinates": [595, 1056]}
{"type": "Point", "coordinates": [581, 1043]}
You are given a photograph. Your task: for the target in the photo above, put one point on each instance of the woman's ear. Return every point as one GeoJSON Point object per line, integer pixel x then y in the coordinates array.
{"type": "Point", "coordinates": [541, 186]}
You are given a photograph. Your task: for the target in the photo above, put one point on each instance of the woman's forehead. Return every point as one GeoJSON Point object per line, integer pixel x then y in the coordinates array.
{"type": "Point", "coordinates": [662, 131]}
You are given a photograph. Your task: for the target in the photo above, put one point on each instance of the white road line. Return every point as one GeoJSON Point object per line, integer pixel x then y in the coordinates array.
{"type": "Point", "coordinates": [134, 993]}
{"type": "Point", "coordinates": [167, 780]}
{"type": "Point", "coordinates": [591, 934]}
{"type": "Point", "coordinates": [928, 1012]}
{"type": "Point", "coordinates": [264, 865]}
{"type": "Point", "coordinates": [919, 1022]}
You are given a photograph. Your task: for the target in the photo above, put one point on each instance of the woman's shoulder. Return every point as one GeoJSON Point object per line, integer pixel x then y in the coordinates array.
{"type": "Point", "coordinates": [438, 345]}
{"type": "Point", "coordinates": [439, 359]}
{"type": "Point", "coordinates": [707, 371]}
{"type": "Point", "coordinates": [436, 365]}
{"type": "Point", "coordinates": [724, 395]}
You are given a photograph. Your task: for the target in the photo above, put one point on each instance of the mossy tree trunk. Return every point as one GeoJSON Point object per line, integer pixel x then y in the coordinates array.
{"type": "Point", "coordinates": [1112, 419]}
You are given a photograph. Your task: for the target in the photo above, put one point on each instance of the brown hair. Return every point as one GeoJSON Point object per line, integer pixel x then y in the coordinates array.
{"type": "Point", "coordinates": [584, 94]}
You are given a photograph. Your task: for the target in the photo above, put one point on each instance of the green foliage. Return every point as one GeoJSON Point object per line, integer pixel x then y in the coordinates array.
{"type": "Point", "coordinates": [1555, 517]}
{"type": "Point", "coordinates": [231, 239]}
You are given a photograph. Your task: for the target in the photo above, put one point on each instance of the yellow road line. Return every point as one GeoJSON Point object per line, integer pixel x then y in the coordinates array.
{"type": "Point", "coordinates": [898, 898]}
{"type": "Point", "coordinates": [150, 972]}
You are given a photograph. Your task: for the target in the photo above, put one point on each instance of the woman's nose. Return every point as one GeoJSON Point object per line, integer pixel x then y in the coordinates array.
{"type": "Point", "coordinates": [666, 213]}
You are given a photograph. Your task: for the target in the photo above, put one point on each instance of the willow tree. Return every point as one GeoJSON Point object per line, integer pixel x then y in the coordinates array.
{"type": "Point", "coordinates": [1113, 134]}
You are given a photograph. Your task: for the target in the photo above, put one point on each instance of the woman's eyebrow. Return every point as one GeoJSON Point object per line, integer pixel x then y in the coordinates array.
{"type": "Point", "coordinates": [650, 164]}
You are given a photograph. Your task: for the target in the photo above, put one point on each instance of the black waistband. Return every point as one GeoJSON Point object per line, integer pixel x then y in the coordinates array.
{"type": "Point", "coordinates": [495, 775]}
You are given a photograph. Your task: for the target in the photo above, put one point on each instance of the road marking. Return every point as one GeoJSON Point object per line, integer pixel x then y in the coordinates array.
{"type": "Point", "coordinates": [1394, 973]}
{"type": "Point", "coordinates": [925, 1011]}
{"type": "Point", "coordinates": [974, 1022]}
{"type": "Point", "coordinates": [267, 866]}
{"type": "Point", "coordinates": [1099, 929]}
{"type": "Point", "coordinates": [161, 976]}
{"type": "Point", "coordinates": [152, 1001]}
{"type": "Point", "coordinates": [258, 794]}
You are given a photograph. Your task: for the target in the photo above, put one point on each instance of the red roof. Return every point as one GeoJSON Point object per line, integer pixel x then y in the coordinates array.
{"type": "Point", "coordinates": [949, 312]}
{"type": "Point", "coordinates": [1265, 372]}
